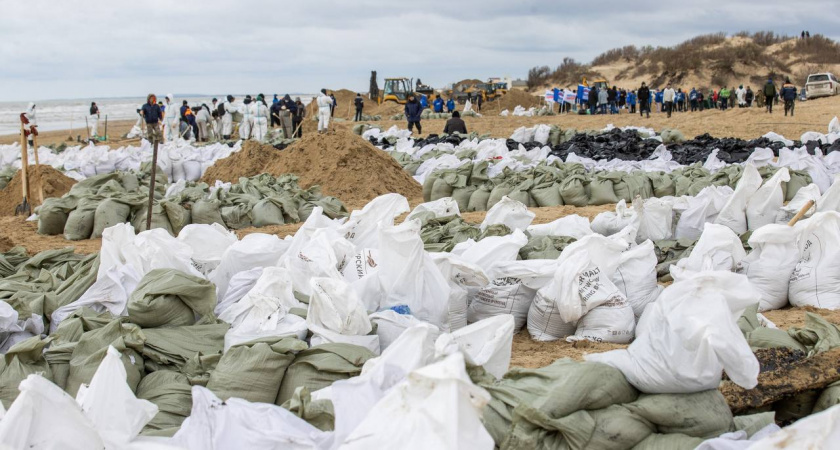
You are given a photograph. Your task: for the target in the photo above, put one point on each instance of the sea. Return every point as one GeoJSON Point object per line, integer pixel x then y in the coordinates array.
{"type": "Point", "coordinates": [71, 113]}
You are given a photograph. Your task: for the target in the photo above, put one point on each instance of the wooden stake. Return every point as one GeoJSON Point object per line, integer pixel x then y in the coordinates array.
{"type": "Point", "coordinates": [24, 168]}
{"type": "Point", "coordinates": [35, 148]}
{"type": "Point", "coordinates": [801, 213]}
{"type": "Point", "coordinates": [152, 185]}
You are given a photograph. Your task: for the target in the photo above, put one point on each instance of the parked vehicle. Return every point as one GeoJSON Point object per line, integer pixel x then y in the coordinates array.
{"type": "Point", "coordinates": [822, 85]}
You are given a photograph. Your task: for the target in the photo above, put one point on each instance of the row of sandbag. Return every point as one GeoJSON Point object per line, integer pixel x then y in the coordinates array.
{"type": "Point", "coordinates": [478, 254]}
{"type": "Point", "coordinates": [559, 183]}
{"type": "Point", "coordinates": [101, 201]}
{"type": "Point", "coordinates": [428, 114]}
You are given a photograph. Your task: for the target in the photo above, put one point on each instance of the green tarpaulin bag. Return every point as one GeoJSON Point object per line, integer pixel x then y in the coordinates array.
{"type": "Point", "coordinates": [174, 346]}
{"type": "Point", "coordinates": [254, 371]}
{"type": "Point", "coordinates": [573, 192]}
{"type": "Point", "coordinates": [701, 414]}
{"type": "Point", "coordinates": [23, 359]}
{"type": "Point", "coordinates": [171, 392]}
{"type": "Point", "coordinates": [321, 366]}
{"type": "Point", "coordinates": [167, 297]}
{"type": "Point", "coordinates": [93, 346]}
{"type": "Point", "coordinates": [319, 413]}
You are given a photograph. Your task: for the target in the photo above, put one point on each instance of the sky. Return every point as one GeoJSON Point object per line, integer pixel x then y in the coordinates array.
{"type": "Point", "coordinates": [59, 49]}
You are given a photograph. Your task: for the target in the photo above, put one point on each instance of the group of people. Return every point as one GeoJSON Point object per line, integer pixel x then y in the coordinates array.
{"type": "Point", "coordinates": [414, 108]}
{"type": "Point", "coordinates": [165, 121]}
{"type": "Point", "coordinates": [669, 100]}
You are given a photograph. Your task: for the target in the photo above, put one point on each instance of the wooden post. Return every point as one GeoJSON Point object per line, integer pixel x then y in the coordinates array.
{"type": "Point", "coordinates": [152, 185]}
{"type": "Point", "coordinates": [24, 164]}
{"type": "Point", "coordinates": [801, 213]}
{"type": "Point", "coordinates": [35, 148]}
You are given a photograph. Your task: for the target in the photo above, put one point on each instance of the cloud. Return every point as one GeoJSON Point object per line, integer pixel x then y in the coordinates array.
{"type": "Point", "coordinates": [95, 48]}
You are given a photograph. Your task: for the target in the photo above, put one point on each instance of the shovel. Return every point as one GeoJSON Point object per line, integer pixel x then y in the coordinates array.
{"type": "Point", "coordinates": [24, 207]}
{"type": "Point", "coordinates": [801, 213]}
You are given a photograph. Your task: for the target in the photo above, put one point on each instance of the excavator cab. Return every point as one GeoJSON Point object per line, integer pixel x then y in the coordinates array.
{"type": "Point", "coordinates": [397, 90]}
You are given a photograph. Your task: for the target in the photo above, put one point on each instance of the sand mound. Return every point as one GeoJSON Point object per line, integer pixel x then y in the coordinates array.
{"type": "Point", "coordinates": [41, 179]}
{"type": "Point", "coordinates": [246, 163]}
{"type": "Point", "coordinates": [514, 98]}
{"type": "Point", "coordinates": [345, 166]}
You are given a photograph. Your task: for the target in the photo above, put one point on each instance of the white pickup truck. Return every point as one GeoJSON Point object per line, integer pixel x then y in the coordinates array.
{"type": "Point", "coordinates": [822, 85]}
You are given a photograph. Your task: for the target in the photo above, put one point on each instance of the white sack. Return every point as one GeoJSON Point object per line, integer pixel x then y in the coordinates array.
{"type": "Point", "coordinates": [572, 225]}
{"type": "Point", "coordinates": [764, 205]}
{"type": "Point", "coordinates": [512, 290]}
{"type": "Point", "coordinates": [815, 280]}
{"type": "Point", "coordinates": [362, 227]}
{"type": "Point", "coordinates": [208, 243]}
{"type": "Point", "coordinates": [717, 249]}
{"type": "Point", "coordinates": [770, 264]}
{"type": "Point", "coordinates": [508, 212]}
{"type": "Point", "coordinates": [689, 336]}
{"type": "Point", "coordinates": [336, 315]}
{"type": "Point", "coordinates": [636, 278]}
{"type": "Point", "coordinates": [733, 214]}
{"type": "Point", "coordinates": [486, 343]}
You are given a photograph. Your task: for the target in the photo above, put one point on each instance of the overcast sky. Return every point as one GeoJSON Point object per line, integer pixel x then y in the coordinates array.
{"type": "Point", "coordinates": [106, 48]}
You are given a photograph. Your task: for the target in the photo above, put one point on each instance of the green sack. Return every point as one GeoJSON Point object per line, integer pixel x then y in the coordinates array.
{"type": "Point", "coordinates": [601, 188]}
{"type": "Point", "coordinates": [462, 196]}
{"type": "Point", "coordinates": [663, 185]}
{"type": "Point", "coordinates": [321, 366]}
{"type": "Point", "coordinates": [174, 346]}
{"type": "Point", "coordinates": [701, 414]}
{"type": "Point", "coordinates": [428, 185]}
{"type": "Point", "coordinates": [573, 192]}
{"type": "Point", "coordinates": [171, 392]}
{"type": "Point", "coordinates": [548, 195]}
{"type": "Point", "coordinates": [93, 346]}
{"type": "Point", "coordinates": [109, 213]}
{"type": "Point", "coordinates": [668, 442]}
{"type": "Point", "coordinates": [159, 218]}
{"type": "Point", "coordinates": [167, 297]}
{"type": "Point", "coordinates": [79, 223]}
{"type": "Point", "coordinates": [236, 217]}
{"type": "Point", "coordinates": [319, 413]}
{"type": "Point", "coordinates": [23, 359]}
{"type": "Point", "coordinates": [52, 215]}
{"type": "Point", "coordinates": [829, 397]}
{"type": "Point", "coordinates": [254, 371]}
{"type": "Point", "coordinates": [479, 199]}
{"type": "Point", "coordinates": [207, 212]}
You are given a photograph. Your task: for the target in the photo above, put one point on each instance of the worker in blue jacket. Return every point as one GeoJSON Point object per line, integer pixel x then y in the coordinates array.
{"type": "Point", "coordinates": [631, 101]}
{"type": "Point", "coordinates": [413, 111]}
{"type": "Point", "coordinates": [424, 101]}
{"type": "Point", "coordinates": [438, 104]}
{"type": "Point", "coordinates": [450, 105]}
{"type": "Point", "coordinates": [658, 98]}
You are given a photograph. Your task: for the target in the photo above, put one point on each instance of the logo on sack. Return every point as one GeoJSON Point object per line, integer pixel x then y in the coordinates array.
{"type": "Point", "coordinates": [303, 257]}
{"type": "Point", "coordinates": [370, 261]}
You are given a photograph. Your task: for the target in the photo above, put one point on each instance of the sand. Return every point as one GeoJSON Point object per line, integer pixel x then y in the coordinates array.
{"type": "Point", "coordinates": [44, 182]}
{"type": "Point", "coordinates": [249, 161]}
{"type": "Point", "coordinates": [345, 166]}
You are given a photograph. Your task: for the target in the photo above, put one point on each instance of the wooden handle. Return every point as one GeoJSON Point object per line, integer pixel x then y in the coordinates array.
{"type": "Point", "coordinates": [801, 213]}
{"type": "Point", "coordinates": [24, 164]}
{"type": "Point", "coordinates": [35, 148]}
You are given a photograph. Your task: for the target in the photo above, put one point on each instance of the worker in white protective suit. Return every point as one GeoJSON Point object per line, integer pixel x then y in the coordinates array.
{"type": "Point", "coordinates": [205, 123]}
{"type": "Point", "coordinates": [259, 112]}
{"type": "Point", "coordinates": [227, 118]}
{"type": "Point", "coordinates": [93, 119]}
{"type": "Point", "coordinates": [171, 119]}
{"type": "Point", "coordinates": [324, 111]}
{"type": "Point", "coordinates": [247, 119]}
{"type": "Point", "coordinates": [33, 122]}
{"type": "Point", "coordinates": [741, 95]}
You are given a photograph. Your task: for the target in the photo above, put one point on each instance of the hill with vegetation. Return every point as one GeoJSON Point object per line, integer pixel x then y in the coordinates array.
{"type": "Point", "coordinates": [710, 60]}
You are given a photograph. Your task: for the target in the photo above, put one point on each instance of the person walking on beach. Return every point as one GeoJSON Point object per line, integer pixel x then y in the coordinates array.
{"type": "Point", "coordinates": [325, 108]}
{"type": "Point", "coordinates": [93, 119]}
{"type": "Point", "coordinates": [153, 117]}
{"type": "Point", "coordinates": [359, 103]}
{"type": "Point", "coordinates": [298, 116]}
{"type": "Point", "coordinates": [769, 94]}
{"type": "Point", "coordinates": [749, 96]}
{"type": "Point", "coordinates": [334, 104]}
{"type": "Point", "coordinates": [413, 111]}
{"type": "Point", "coordinates": [724, 98]}
{"type": "Point", "coordinates": [788, 94]}
{"type": "Point", "coordinates": [668, 96]}
{"type": "Point", "coordinates": [644, 100]}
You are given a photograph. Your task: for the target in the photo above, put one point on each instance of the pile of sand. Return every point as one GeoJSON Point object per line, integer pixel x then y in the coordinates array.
{"type": "Point", "coordinates": [345, 166]}
{"type": "Point", "coordinates": [465, 84]}
{"type": "Point", "coordinates": [247, 162]}
{"type": "Point", "coordinates": [514, 98]}
{"type": "Point", "coordinates": [44, 182]}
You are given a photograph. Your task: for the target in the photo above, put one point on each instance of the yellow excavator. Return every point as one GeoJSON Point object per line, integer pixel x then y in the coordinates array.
{"type": "Point", "coordinates": [399, 89]}
{"type": "Point", "coordinates": [599, 82]}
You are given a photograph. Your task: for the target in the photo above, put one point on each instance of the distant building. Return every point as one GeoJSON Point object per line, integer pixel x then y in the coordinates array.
{"type": "Point", "coordinates": [519, 84]}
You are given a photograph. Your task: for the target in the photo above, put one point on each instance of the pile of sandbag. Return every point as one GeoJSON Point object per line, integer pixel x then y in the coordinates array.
{"type": "Point", "coordinates": [101, 201]}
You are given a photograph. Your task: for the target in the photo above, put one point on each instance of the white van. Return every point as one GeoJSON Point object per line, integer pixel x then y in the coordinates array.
{"type": "Point", "coordinates": [822, 85]}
